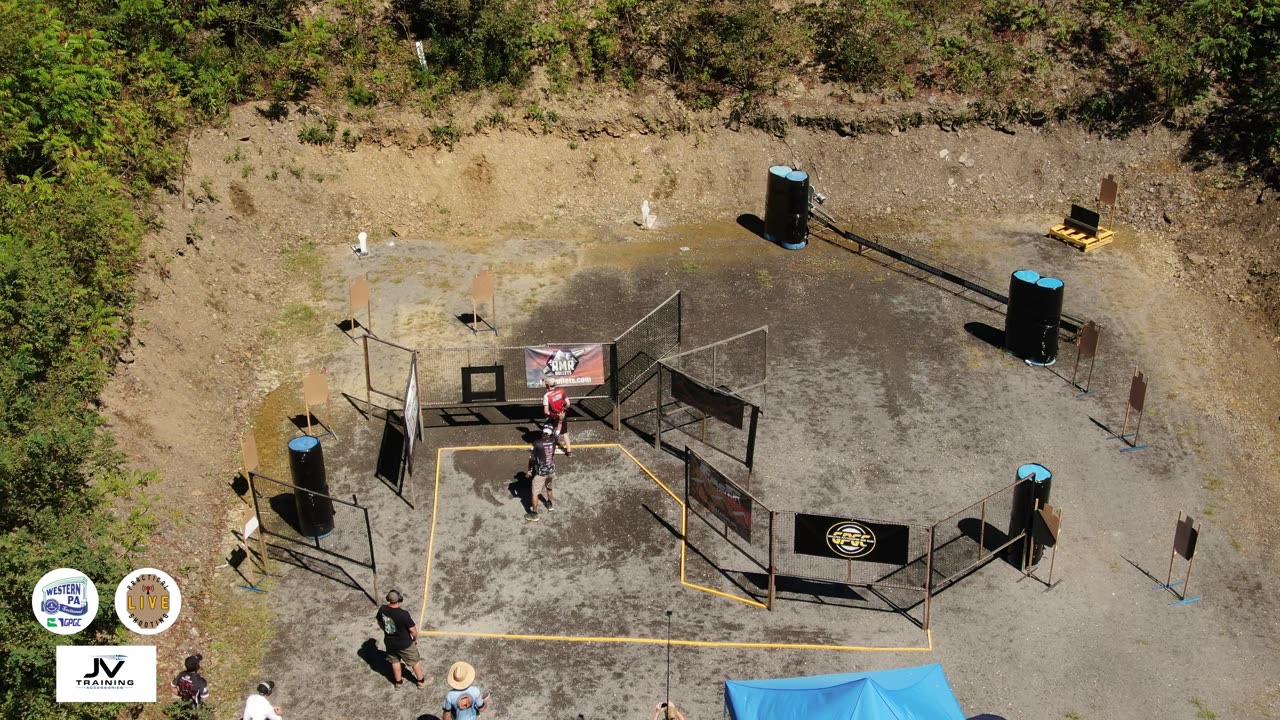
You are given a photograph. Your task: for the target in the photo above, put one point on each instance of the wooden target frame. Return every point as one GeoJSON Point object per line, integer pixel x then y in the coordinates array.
{"type": "Point", "coordinates": [1137, 404]}
{"type": "Point", "coordinates": [1086, 349]}
{"type": "Point", "coordinates": [315, 391]}
{"type": "Point", "coordinates": [484, 289]}
{"type": "Point", "coordinates": [1186, 535]}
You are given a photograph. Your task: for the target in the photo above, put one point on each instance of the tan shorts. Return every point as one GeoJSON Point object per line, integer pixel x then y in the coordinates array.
{"type": "Point", "coordinates": [542, 483]}
{"type": "Point", "coordinates": [408, 656]}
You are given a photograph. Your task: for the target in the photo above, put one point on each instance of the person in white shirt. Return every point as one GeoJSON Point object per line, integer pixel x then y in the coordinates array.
{"type": "Point", "coordinates": [258, 707]}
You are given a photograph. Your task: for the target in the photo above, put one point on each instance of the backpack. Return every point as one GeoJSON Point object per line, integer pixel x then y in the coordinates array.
{"type": "Point", "coordinates": [187, 689]}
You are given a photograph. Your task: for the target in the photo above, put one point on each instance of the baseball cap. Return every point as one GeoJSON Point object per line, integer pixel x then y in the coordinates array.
{"type": "Point", "coordinates": [394, 596]}
{"type": "Point", "coordinates": [266, 686]}
{"type": "Point", "coordinates": [546, 430]}
{"type": "Point", "coordinates": [192, 662]}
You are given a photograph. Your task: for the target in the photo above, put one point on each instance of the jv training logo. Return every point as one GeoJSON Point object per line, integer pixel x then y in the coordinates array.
{"type": "Point", "coordinates": [148, 601]}
{"type": "Point", "coordinates": [851, 539]}
{"type": "Point", "coordinates": [65, 601]}
{"type": "Point", "coordinates": [562, 364]}
{"type": "Point", "coordinates": [106, 674]}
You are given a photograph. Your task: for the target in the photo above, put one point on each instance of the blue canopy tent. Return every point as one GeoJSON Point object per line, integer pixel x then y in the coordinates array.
{"type": "Point", "coordinates": [918, 693]}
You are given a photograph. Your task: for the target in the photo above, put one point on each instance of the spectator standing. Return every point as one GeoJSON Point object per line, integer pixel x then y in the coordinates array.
{"type": "Point", "coordinates": [190, 686]}
{"type": "Point", "coordinates": [400, 638]}
{"type": "Point", "coordinates": [555, 405]}
{"type": "Point", "coordinates": [542, 468]}
{"type": "Point", "coordinates": [258, 707]}
{"type": "Point", "coordinates": [464, 701]}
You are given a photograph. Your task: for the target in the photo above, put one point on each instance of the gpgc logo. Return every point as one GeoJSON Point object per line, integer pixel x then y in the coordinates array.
{"type": "Point", "coordinates": [65, 601]}
{"type": "Point", "coordinates": [851, 539]}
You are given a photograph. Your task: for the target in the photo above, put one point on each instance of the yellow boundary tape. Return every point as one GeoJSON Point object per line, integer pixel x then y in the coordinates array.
{"type": "Point", "coordinates": [684, 526]}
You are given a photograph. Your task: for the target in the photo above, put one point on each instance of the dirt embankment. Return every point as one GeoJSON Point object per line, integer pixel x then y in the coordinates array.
{"type": "Point", "coordinates": [237, 297]}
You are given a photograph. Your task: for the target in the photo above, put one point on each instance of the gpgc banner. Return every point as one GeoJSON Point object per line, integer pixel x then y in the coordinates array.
{"type": "Point", "coordinates": [568, 364]}
{"type": "Point", "coordinates": [718, 494]}
{"type": "Point", "coordinates": [845, 539]}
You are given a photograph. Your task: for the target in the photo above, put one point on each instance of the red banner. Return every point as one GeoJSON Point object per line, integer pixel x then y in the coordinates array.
{"type": "Point", "coordinates": [568, 364]}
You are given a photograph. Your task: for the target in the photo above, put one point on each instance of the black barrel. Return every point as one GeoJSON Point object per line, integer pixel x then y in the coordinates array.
{"type": "Point", "coordinates": [776, 203]}
{"type": "Point", "coordinates": [1026, 497]}
{"type": "Point", "coordinates": [1019, 335]}
{"type": "Point", "coordinates": [306, 464]}
{"type": "Point", "coordinates": [1048, 316]}
{"type": "Point", "coordinates": [786, 207]}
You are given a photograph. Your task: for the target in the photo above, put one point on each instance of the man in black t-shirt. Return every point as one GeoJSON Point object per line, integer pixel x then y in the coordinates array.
{"type": "Point", "coordinates": [190, 686]}
{"type": "Point", "coordinates": [400, 637]}
{"type": "Point", "coordinates": [542, 470]}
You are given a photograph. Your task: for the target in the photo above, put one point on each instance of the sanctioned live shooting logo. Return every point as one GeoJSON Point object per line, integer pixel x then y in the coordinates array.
{"type": "Point", "coordinates": [65, 601]}
{"type": "Point", "coordinates": [562, 364]}
{"type": "Point", "coordinates": [148, 601]}
{"type": "Point", "coordinates": [851, 539]}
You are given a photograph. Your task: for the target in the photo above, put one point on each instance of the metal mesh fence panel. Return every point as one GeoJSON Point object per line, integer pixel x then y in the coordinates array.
{"type": "Point", "coordinates": [975, 535]}
{"type": "Point", "coordinates": [388, 370]}
{"type": "Point", "coordinates": [702, 431]}
{"type": "Point", "coordinates": [738, 364]}
{"type": "Point", "coordinates": [278, 518]}
{"type": "Point", "coordinates": [440, 375]}
{"type": "Point", "coordinates": [912, 576]}
{"type": "Point", "coordinates": [643, 344]}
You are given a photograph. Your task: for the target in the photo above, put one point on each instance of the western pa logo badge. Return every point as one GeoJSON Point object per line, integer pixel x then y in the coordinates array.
{"type": "Point", "coordinates": [65, 601]}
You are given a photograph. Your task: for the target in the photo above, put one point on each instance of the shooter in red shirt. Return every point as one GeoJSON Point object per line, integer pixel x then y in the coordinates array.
{"type": "Point", "coordinates": [555, 405]}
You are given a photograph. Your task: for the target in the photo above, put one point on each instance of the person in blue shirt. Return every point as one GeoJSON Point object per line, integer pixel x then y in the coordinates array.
{"type": "Point", "coordinates": [465, 701]}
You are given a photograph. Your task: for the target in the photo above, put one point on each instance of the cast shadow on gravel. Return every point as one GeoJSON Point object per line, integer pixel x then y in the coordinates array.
{"type": "Point", "coordinates": [376, 659]}
{"type": "Point", "coordinates": [752, 224]}
{"type": "Point", "coordinates": [987, 334]}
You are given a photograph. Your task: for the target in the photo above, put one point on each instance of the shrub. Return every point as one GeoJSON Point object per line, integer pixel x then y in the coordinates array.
{"type": "Point", "coordinates": [320, 134]}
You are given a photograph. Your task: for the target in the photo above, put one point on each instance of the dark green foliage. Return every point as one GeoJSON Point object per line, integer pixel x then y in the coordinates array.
{"type": "Point", "coordinates": [483, 41]}
{"type": "Point", "coordinates": [321, 133]}
{"type": "Point", "coordinates": [868, 43]}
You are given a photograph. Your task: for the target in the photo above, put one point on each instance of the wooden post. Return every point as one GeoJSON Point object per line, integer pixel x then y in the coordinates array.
{"type": "Point", "coordinates": [1054, 557]}
{"type": "Point", "coordinates": [773, 558]}
{"type": "Point", "coordinates": [1187, 583]}
{"type": "Point", "coordinates": [928, 578]}
{"type": "Point", "coordinates": [657, 433]}
{"type": "Point", "coordinates": [982, 530]}
{"type": "Point", "coordinates": [1172, 553]}
{"type": "Point", "coordinates": [369, 382]}
{"type": "Point", "coordinates": [308, 417]}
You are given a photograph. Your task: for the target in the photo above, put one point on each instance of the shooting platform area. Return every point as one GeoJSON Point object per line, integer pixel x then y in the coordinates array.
{"type": "Point", "coordinates": [864, 395]}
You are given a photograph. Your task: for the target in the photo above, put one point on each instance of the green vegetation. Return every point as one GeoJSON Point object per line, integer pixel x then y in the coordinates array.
{"type": "Point", "coordinates": [96, 99]}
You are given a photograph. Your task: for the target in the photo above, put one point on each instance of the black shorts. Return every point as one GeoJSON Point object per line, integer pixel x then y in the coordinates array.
{"type": "Point", "coordinates": [559, 423]}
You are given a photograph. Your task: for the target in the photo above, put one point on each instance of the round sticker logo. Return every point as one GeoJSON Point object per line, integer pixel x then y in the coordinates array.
{"type": "Point", "coordinates": [65, 601]}
{"type": "Point", "coordinates": [851, 539]}
{"type": "Point", "coordinates": [148, 601]}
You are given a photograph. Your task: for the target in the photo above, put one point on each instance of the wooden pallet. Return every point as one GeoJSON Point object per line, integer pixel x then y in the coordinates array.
{"type": "Point", "coordinates": [1079, 240]}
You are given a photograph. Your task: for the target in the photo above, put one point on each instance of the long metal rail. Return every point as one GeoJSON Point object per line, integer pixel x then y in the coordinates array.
{"type": "Point", "coordinates": [1069, 323]}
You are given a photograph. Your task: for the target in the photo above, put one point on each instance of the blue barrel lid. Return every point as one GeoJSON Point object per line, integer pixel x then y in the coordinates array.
{"type": "Point", "coordinates": [1035, 472]}
{"type": "Point", "coordinates": [780, 170]}
{"type": "Point", "coordinates": [797, 176]}
{"type": "Point", "coordinates": [1027, 275]}
{"type": "Point", "coordinates": [303, 444]}
{"type": "Point", "coordinates": [1048, 282]}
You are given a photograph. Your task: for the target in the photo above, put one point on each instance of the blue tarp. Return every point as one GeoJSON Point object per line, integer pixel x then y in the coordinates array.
{"type": "Point", "coordinates": [918, 693]}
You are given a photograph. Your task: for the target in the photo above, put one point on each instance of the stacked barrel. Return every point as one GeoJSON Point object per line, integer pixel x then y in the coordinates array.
{"type": "Point", "coordinates": [786, 207]}
{"type": "Point", "coordinates": [1034, 313]}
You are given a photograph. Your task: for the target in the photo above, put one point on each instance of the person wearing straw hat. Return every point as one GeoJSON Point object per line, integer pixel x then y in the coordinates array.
{"type": "Point", "coordinates": [464, 701]}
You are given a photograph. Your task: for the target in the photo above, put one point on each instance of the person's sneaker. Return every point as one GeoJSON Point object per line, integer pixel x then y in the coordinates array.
{"type": "Point", "coordinates": [568, 453]}
{"type": "Point", "coordinates": [531, 517]}
{"type": "Point", "coordinates": [399, 684]}
{"type": "Point", "coordinates": [550, 505]}
{"type": "Point", "coordinates": [422, 683]}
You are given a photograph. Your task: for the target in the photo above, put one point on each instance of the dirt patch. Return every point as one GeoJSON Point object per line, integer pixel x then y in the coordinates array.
{"type": "Point", "coordinates": [555, 215]}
